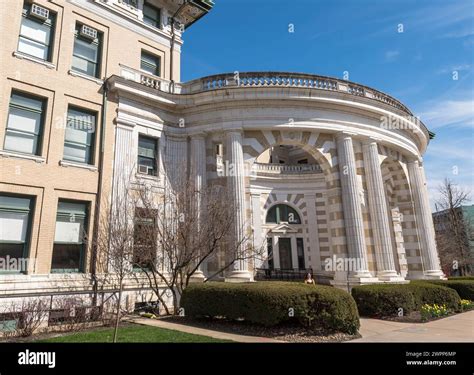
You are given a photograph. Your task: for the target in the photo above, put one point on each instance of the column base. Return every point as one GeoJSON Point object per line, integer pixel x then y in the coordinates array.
{"type": "Point", "coordinates": [198, 277]}
{"type": "Point", "coordinates": [347, 283]}
{"type": "Point", "coordinates": [239, 277]}
{"type": "Point", "coordinates": [434, 275]}
{"type": "Point", "coordinates": [391, 277]}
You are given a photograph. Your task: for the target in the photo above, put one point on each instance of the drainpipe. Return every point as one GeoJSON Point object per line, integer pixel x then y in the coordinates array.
{"type": "Point", "coordinates": [95, 282]}
{"type": "Point", "coordinates": [173, 40]}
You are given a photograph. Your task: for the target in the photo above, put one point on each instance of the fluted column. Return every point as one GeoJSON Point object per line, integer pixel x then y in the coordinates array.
{"type": "Point", "coordinates": [176, 156]}
{"type": "Point", "coordinates": [424, 221]}
{"type": "Point", "coordinates": [236, 181]}
{"type": "Point", "coordinates": [378, 209]}
{"type": "Point", "coordinates": [198, 179]}
{"type": "Point", "coordinates": [351, 204]}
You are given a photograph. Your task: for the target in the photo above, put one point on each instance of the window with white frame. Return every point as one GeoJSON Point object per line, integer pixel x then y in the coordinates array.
{"type": "Point", "coordinates": [25, 123]}
{"type": "Point", "coordinates": [69, 246]}
{"type": "Point", "coordinates": [151, 15]}
{"type": "Point", "coordinates": [79, 136]}
{"type": "Point", "coordinates": [15, 228]}
{"type": "Point", "coordinates": [87, 50]}
{"type": "Point", "coordinates": [150, 63]}
{"type": "Point", "coordinates": [36, 32]}
{"type": "Point", "coordinates": [147, 155]}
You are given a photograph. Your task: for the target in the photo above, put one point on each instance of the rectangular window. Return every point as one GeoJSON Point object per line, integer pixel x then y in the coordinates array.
{"type": "Point", "coordinates": [150, 63]}
{"type": "Point", "coordinates": [69, 247]}
{"type": "Point", "coordinates": [87, 50]}
{"type": "Point", "coordinates": [36, 32]}
{"type": "Point", "coordinates": [151, 15]}
{"type": "Point", "coordinates": [144, 239]}
{"type": "Point", "coordinates": [130, 3]}
{"type": "Point", "coordinates": [79, 136]}
{"type": "Point", "coordinates": [15, 227]}
{"type": "Point", "coordinates": [147, 155]}
{"type": "Point", "coordinates": [300, 253]}
{"type": "Point", "coordinates": [25, 124]}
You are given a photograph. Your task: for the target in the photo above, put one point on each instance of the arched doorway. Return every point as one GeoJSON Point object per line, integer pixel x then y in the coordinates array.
{"type": "Point", "coordinates": [401, 216]}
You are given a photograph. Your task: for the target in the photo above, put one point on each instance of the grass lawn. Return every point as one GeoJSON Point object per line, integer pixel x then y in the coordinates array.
{"type": "Point", "coordinates": [133, 333]}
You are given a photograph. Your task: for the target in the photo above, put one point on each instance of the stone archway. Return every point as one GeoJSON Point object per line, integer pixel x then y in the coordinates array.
{"type": "Point", "coordinates": [401, 217]}
{"type": "Point", "coordinates": [326, 222]}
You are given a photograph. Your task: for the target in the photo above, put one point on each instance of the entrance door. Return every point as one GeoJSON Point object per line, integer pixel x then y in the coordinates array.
{"type": "Point", "coordinates": [284, 249]}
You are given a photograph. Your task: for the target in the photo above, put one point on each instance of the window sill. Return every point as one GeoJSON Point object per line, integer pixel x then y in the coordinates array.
{"type": "Point", "coordinates": [85, 76]}
{"type": "Point", "coordinates": [23, 56]}
{"type": "Point", "coordinates": [142, 176]}
{"type": "Point", "coordinates": [64, 163]}
{"type": "Point", "coordinates": [12, 154]}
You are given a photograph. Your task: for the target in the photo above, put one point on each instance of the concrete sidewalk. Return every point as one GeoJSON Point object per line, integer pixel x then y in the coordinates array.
{"type": "Point", "coordinates": [456, 328]}
{"type": "Point", "coordinates": [162, 323]}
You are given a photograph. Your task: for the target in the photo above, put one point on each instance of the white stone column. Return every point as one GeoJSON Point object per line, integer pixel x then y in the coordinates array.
{"type": "Point", "coordinates": [258, 240]}
{"type": "Point", "coordinates": [424, 222]}
{"type": "Point", "coordinates": [176, 160]}
{"type": "Point", "coordinates": [236, 183]}
{"type": "Point", "coordinates": [276, 252]}
{"type": "Point", "coordinates": [198, 179]}
{"type": "Point", "coordinates": [310, 199]}
{"type": "Point", "coordinates": [294, 251]}
{"type": "Point", "coordinates": [351, 204]}
{"type": "Point", "coordinates": [386, 270]}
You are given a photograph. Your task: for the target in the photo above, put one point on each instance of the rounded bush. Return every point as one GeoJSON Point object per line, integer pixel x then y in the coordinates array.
{"type": "Point", "coordinates": [383, 300]}
{"type": "Point", "coordinates": [271, 303]}
{"type": "Point", "coordinates": [464, 287]}
{"type": "Point", "coordinates": [386, 300]}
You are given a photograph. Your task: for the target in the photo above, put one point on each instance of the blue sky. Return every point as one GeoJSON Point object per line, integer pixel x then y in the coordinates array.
{"type": "Point", "coordinates": [417, 66]}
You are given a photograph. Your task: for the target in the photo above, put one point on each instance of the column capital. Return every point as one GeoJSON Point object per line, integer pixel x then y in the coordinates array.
{"type": "Point", "coordinates": [176, 137]}
{"type": "Point", "coordinates": [199, 135]}
{"type": "Point", "coordinates": [345, 134]}
{"type": "Point", "coordinates": [369, 140]}
{"type": "Point", "coordinates": [124, 123]}
{"type": "Point", "coordinates": [234, 131]}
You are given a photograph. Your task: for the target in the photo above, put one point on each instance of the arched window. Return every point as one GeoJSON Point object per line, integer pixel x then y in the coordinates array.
{"type": "Point", "coordinates": [282, 212]}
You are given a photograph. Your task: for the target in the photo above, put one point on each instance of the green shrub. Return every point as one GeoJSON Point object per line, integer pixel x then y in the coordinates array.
{"type": "Point", "coordinates": [385, 300]}
{"type": "Point", "coordinates": [271, 303]}
{"type": "Point", "coordinates": [464, 287]}
{"type": "Point", "coordinates": [461, 278]}
{"type": "Point", "coordinates": [429, 293]}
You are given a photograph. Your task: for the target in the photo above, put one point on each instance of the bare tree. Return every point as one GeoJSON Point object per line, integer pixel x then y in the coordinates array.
{"type": "Point", "coordinates": [113, 244]}
{"type": "Point", "coordinates": [183, 231]}
{"type": "Point", "coordinates": [453, 229]}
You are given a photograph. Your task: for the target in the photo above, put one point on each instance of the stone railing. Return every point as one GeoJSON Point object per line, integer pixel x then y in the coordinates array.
{"type": "Point", "coordinates": [286, 168]}
{"type": "Point", "coordinates": [149, 80]}
{"type": "Point", "coordinates": [263, 79]}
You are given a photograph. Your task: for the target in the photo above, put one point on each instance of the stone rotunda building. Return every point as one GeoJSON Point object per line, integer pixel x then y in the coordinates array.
{"type": "Point", "coordinates": [328, 173]}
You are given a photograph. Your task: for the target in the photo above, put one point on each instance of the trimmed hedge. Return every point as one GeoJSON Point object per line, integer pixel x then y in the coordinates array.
{"type": "Point", "coordinates": [269, 303]}
{"type": "Point", "coordinates": [464, 287]}
{"type": "Point", "coordinates": [385, 300]}
{"type": "Point", "coordinates": [454, 278]}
